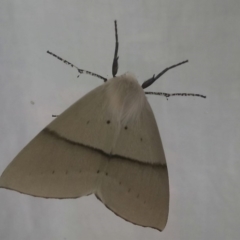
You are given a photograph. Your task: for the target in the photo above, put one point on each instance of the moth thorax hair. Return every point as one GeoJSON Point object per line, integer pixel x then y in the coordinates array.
{"type": "Point", "coordinates": [126, 98]}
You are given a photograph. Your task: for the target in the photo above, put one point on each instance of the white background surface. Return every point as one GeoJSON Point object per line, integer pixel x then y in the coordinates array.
{"type": "Point", "coordinates": [201, 137]}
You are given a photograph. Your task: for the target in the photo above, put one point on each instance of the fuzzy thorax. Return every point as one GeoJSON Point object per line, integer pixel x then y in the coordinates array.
{"type": "Point", "coordinates": [126, 98]}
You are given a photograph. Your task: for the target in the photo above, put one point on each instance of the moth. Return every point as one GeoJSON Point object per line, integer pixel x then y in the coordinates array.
{"type": "Point", "coordinates": [107, 144]}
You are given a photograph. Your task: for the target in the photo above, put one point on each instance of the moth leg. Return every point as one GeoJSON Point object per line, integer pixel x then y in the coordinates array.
{"type": "Point", "coordinates": [151, 80]}
{"type": "Point", "coordinates": [115, 59]}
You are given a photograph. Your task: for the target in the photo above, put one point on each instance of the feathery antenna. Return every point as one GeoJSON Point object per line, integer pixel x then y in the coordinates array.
{"type": "Point", "coordinates": [167, 95]}
{"type": "Point", "coordinates": [151, 80]}
{"type": "Point", "coordinates": [81, 71]}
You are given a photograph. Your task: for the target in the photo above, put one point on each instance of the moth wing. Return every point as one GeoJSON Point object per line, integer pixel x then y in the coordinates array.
{"type": "Point", "coordinates": [74, 156]}
{"type": "Point", "coordinates": [136, 192]}
{"type": "Point", "coordinates": [140, 140]}
{"type": "Point", "coordinates": [138, 189]}
{"type": "Point", "coordinates": [52, 167]}
{"type": "Point", "coordinates": [91, 122]}
{"type": "Point", "coordinates": [88, 122]}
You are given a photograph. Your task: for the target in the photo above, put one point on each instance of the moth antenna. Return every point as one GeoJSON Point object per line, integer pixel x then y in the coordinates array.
{"type": "Point", "coordinates": [115, 59]}
{"type": "Point", "coordinates": [176, 94]}
{"type": "Point", "coordinates": [151, 80]}
{"type": "Point", "coordinates": [81, 71]}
